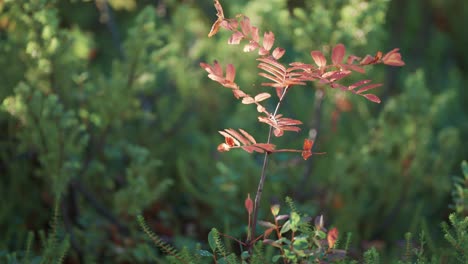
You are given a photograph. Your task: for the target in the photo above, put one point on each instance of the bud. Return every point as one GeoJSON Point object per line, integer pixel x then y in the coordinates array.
{"type": "Point", "coordinates": [332, 237]}
{"type": "Point", "coordinates": [248, 204]}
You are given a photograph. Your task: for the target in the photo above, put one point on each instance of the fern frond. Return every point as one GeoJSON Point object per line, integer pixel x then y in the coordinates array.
{"type": "Point", "coordinates": [158, 242]}
{"type": "Point", "coordinates": [291, 205]}
{"type": "Point", "coordinates": [62, 250]}
{"type": "Point", "coordinates": [258, 254]}
{"type": "Point", "coordinates": [27, 252]}
{"type": "Point", "coordinates": [219, 244]}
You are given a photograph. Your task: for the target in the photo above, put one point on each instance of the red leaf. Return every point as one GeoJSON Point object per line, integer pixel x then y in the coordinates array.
{"type": "Point", "coordinates": [306, 154]}
{"type": "Point", "coordinates": [262, 96]}
{"type": "Point", "coordinates": [352, 58]}
{"type": "Point", "coordinates": [319, 59]}
{"type": "Point", "coordinates": [236, 38]}
{"type": "Point", "coordinates": [248, 100]}
{"type": "Point", "coordinates": [367, 60]}
{"type": "Point", "coordinates": [248, 204]}
{"type": "Point", "coordinates": [354, 68]}
{"type": "Point", "coordinates": [278, 53]}
{"type": "Point", "coordinates": [372, 97]}
{"type": "Point", "coordinates": [253, 148]}
{"type": "Point", "coordinates": [251, 46]}
{"type": "Point", "coordinates": [338, 54]}
{"type": "Point", "coordinates": [214, 28]}
{"type": "Point", "coordinates": [230, 141]}
{"type": "Point", "coordinates": [217, 23]}
{"type": "Point", "coordinates": [355, 85]}
{"type": "Point", "coordinates": [332, 237]}
{"type": "Point", "coordinates": [245, 26]}
{"type": "Point", "coordinates": [308, 144]}
{"type": "Point", "coordinates": [278, 132]}
{"type": "Point", "coordinates": [230, 73]}
{"type": "Point", "coordinates": [248, 136]}
{"type": "Point", "coordinates": [219, 9]}
{"type": "Point", "coordinates": [238, 93]}
{"type": "Point", "coordinates": [266, 147]}
{"type": "Point", "coordinates": [223, 147]}
{"type": "Point", "coordinates": [393, 58]}
{"type": "Point", "coordinates": [255, 36]}
{"type": "Point", "coordinates": [368, 87]}
{"type": "Point", "coordinates": [268, 40]}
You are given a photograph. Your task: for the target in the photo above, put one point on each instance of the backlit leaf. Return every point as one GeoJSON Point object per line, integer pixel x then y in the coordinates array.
{"type": "Point", "coordinates": [338, 54]}
{"type": "Point", "coordinates": [372, 97]}
{"type": "Point", "coordinates": [319, 59]}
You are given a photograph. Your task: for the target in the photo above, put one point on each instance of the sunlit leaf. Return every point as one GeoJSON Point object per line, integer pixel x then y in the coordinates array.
{"type": "Point", "coordinates": [338, 54]}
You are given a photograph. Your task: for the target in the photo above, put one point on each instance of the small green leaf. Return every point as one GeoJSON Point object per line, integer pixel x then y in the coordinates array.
{"type": "Point", "coordinates": [295, 219]}
{"type": "Point", "coordinates": [286, 227]}
{"type": "Point", "coordinates": [204, 253]}
{"type": "Point", "coordinates": [275, 258]}
{"type": "Point", "coordinates": [212, 239]}
{"type": "Point", "coordinates": [321, 234]}
{"type": "Point", "coordinates": [245, 255]}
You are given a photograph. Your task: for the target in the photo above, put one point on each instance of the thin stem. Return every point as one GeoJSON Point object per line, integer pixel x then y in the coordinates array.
{"type": "Point", "coordinates": [258, 196]}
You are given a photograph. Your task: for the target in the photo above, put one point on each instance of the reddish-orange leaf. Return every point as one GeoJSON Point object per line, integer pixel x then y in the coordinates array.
{"type": "Point", "coordinates": [368, 87]}
{"type": "Point", "coordinates": [338, 54]}
{"type": "Point", "coordinates": [214, 28]}
{"type": "Point", "coordinates": [278, 132]}
{"type": "Point", "coordinates": [367, 60]}
{"type": "Point", "coordinates": [332, 237]}
{"type": "Point", "coordinates": [219, 9]}
{"type": "Point", "coordinates": [248, 100]}
{"type": "Point", "coordinates": [319, 59]}
{"type": "Point", "coordinates": [248, 204]}
{"type": "Point", "coordinates": [354, 68]}
{"type": "Point", "coordinates": [308, 144]}
{"type": "Point", "coordinates": [268, 232]}
{"type": "Point", "coordinates": [226, 134]}
{"type": "Point", "coordinates": [217, 23]}
{"type": "Point", "coordinates": [378, 56]}
{"type": "Point", "coordinates": [236, 38]}
{"type": "Point", "coordinates": [355, 85]}
{"type": "Point", "coordinates": [237, 136]}
{"type": "Point", "coordinates": [254, 32]}
{"type": "Point", "coordinates": [306, 154]}
{"type": "Point", "coordinates": [262, 96]}
{"type": "Point", "coordinates": [223, 147]}
{"type": "Point", "coordinates": [230, 73]}
{"type": "Point", "coordinates": [248, 136]}
{"type": "Point", "coordinates": [393, 58]}
{"type": "Point", "coordinates": [238, 93]}
{"type": "Point", "coordinates": [268, 40]}
{"type": "Point", "coordinates": [372, 97]}
{"type": "Point", "coordinates": [266, 147]}
{"type": "Point", "coordinates": [251, 46]}
{"type": "Point", "coordinates": [245, 26]}
{"type": "Point", "coordinates": [352, 58]}
{"type": "Point", "coordinates": [230, 141]}
{"type": "Point", "coordinates": [278, 53]}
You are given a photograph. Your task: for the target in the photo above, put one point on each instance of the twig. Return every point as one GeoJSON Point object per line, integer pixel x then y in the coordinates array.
{"type": "Point", "coordinates": [258, 196]}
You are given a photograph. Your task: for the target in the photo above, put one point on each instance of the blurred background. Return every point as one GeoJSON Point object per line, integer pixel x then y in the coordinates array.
{"type": "Point", "coordinates": [104, 104]}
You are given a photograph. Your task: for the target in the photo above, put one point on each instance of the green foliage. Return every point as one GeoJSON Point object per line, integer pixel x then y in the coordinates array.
{"type": "Point", "coordinates": [460, 191]}
{"type": "Point", "coordinates": [55, 245]}
{"type": "Point", "coordinates": [457, 236]}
